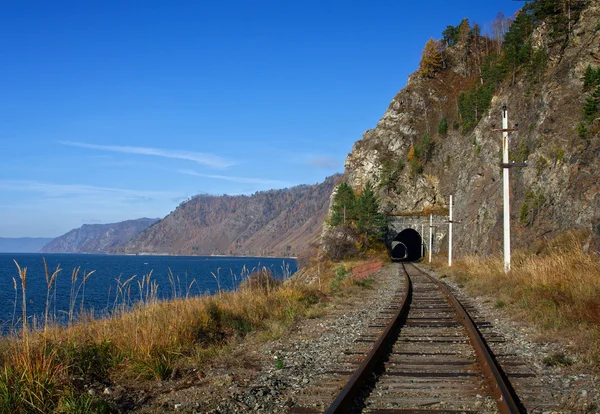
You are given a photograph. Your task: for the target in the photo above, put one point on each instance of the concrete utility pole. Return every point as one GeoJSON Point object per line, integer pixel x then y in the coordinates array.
{"type": "Point", "coordinates": [430, 234]}
{"type": "Point", "coordinates": [505, 183]}
{"type": "Point", "coordinates": [506, 166]}
{"type": "Point", "coordinates": [422, 242]}
{"type": "Point", "coordinates": [450, 235]}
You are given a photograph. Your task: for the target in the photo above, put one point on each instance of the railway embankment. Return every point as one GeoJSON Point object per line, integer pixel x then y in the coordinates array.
{"type": "Point", "coordinates": [278, 375]}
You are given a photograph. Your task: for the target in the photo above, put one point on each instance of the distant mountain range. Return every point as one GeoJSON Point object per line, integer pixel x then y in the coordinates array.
{"type": "Point", "coordinates": [22, 244]}
{"type": "Point", "coordinates": [97, 238]}
{"type": "Point", "coordinates": [268, 223]}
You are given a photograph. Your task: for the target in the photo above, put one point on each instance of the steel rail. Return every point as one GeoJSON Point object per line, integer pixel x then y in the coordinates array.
{"type": "Point", "coordinates": [343, 402]}
{"type": "Point", "coordinates": [501, 390]}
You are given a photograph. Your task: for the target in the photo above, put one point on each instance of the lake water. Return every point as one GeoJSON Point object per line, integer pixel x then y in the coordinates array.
{"type": "Point", "coordinates": [105, 290]}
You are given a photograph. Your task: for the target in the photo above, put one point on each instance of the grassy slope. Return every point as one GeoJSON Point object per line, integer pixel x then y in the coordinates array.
{"type": "Point", "coordinates": [47, 370]}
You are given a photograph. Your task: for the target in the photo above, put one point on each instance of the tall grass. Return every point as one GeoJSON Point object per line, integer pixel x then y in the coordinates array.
{"type": "Point", "coordinates": [147, 340]}
{"type": "Point", "coordinates": [557, 288]}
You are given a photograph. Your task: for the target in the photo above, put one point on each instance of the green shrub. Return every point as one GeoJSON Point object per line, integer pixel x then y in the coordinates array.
{"type": "Point", "coordinates": [541, 165]}
{"type": "Point", "coordinates": [443, 127]}
{"type": "Point", "coordinates": [84, 404]}
{"type": "Point", "coordinates": [559, 359]}
{"type": "Point", "coordinates": [582, 131]}
{"type": "Point", "coordinates": [89, 359]}
{"type": "Point", "coordinates": [531, 207]}
{"type": "Point", "coordinates": [340, 275]}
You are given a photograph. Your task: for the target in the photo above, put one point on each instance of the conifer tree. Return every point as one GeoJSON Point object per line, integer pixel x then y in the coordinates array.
{"type": "Point", "coordinates": [370, 221]}
{"type": "Point", "coordinates": [388, 176]}
{"type": "Point", "coordinates": [443, 127]}
{"type": "Point", "coordinates": [344, 203]}
{"type": "Point", "coordinates": [450, 35]}
{"type": "Point", "coordinates": [464, 32]}
{"type": "Point", "coordinates": [590, 109]}
{"type": "Point", "coordinates": [431, 60]}
{"type": "Point", "coordinates": [591, 77]}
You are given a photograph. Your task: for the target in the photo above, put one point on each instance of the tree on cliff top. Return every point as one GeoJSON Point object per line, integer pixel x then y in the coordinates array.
{"type": "Point", "coordinates": [431, 60]}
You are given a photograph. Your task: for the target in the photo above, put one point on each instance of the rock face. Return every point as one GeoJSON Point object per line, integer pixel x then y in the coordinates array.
{"type": "Point", "coordinates": [97, 238]}
{"type": "Point", "coordinates": [276, 222]}
{"type": "Point", "coordinates": [560, 188]}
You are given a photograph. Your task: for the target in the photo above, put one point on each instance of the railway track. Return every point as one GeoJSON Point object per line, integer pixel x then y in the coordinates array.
{"type": "Point", "coordinates": [425, 354]}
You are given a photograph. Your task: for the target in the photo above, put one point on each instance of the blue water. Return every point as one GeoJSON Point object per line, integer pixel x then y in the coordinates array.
{"type": "Point", "coordinates": [191, 276]}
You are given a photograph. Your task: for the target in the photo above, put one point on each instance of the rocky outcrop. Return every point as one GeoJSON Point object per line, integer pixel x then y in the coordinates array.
{"type": "Point", "coordinates": [97, 238]}
{"type": "Point", "coordinates": [268, 223]}
{"type": "Point", "coordinates": [559, 189]}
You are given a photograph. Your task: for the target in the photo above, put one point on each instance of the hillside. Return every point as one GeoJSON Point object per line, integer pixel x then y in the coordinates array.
{"type": "Point", "coordinates": [276, 222]}
{"type": "Point", "coordinates": [22, 244]}
{"type": "Point", "coordinates": [436, 138]}
{"type": "Point", "coordinates": [97, 238]}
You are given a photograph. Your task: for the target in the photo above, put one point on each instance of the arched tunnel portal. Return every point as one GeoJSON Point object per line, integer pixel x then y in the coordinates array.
{"type": "Point", "coordinates": [407, 246]}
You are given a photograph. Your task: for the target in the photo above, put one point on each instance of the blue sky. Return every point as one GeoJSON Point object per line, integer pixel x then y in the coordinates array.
{"type": "Point", "coordinates": [113, 110]}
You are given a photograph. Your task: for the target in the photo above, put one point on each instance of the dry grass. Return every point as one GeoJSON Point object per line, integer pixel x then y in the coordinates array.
{"type": "Point", "coordinates": [39, 368]}
{"type": "Point", "coordinates": [44, 367]}
{"type": "Point", "coordinates": [557, 288]}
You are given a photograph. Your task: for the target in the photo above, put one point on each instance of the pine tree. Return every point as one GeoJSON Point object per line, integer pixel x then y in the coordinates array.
{"type": "Point", "coordinates": [388, 176]}
{"type": "Point", "coordinates": [590, 109]}
{"type": "Point", "coordinates": [370, 221]}
{"type": "Point", "coordinates": [588, 77]}
{"type": "Point", "coordinates": [591, 77]}
{"type": "Point", "coordinates": [464, 32]}
{"type": "Point", "coordinates": [450, 35]}
{"type": "Point", "coordinates": [344, 203]}
{"type": "Point", "coordinates": [443, 127]}
{"type": "Point", "coordinates": [431, 60]}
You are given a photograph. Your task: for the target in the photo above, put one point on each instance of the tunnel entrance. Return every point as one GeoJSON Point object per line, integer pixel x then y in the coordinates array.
{"type": "Point", "coordinates": [407, 246]}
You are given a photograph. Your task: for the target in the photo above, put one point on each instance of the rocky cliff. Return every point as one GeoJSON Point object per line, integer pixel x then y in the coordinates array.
{"type": "Point", "coordinates": [436, 137]}
{"type": "Point", "coordinates": [276, 222]}
{"type": "Point", "coordinates": [97, 238]}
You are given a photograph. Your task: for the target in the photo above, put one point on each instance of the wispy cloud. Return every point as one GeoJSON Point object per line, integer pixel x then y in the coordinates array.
{"type": "Point", "coordinates": [62, 190]}
{"type": "Point", "coordinates": [324, 162]}
{"type": "Point", "coordinates": [244, 180]}
{"type": "Point", "coordinates": [206, 159]}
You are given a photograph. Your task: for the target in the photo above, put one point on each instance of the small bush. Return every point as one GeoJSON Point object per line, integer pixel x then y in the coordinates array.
{"type": "Point", "coordinates": [443, 127]}
{"type": "Point", "coordinates": [341, 242]}
{"type": "Point", "coordinates": [340, 275]}
{"type": "Point", "coordinates": [558, 360]}
{"type": "Point", "coordinates": [541, 165]}
{"type": "Point", "coordinates": [89, 359]}
{"type": "Point", "coordinates": [84, 404]}
{"type": "Point", "coordinates": [365, 283]}
{"type": "Point", "coordinates": [582, 131]}
{"type": "Point", "coordinates": [157, 365]}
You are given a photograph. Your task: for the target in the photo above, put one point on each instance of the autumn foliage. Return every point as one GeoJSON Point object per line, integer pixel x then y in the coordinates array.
{"type": "Point", "coordinates": [431, 60]}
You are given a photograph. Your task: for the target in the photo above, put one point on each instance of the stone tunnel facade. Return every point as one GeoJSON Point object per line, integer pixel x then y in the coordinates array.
{"type": "Point", "coordinates": [408, 237]}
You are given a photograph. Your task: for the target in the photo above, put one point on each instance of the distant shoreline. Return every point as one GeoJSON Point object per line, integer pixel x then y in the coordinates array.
{"type": "Point", "coordinates": [156, 255]}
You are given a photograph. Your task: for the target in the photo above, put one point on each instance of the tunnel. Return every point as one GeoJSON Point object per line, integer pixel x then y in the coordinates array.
{"type": "Point", "coordinates": [407, 246]}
